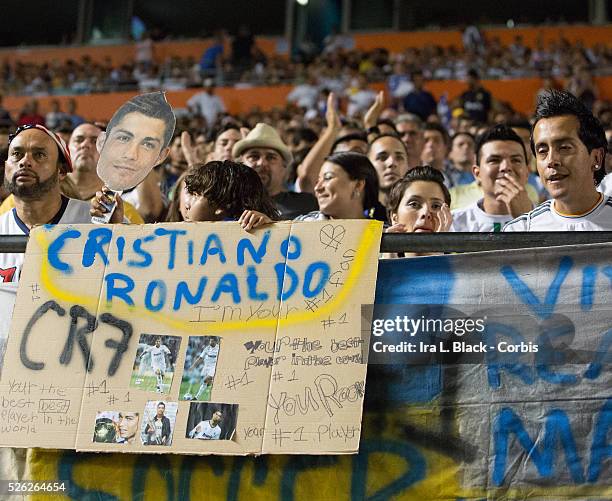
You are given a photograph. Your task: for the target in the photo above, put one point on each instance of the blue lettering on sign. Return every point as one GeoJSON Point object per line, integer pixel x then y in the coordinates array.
{"type": "Point", "coordinates": [113, 290]}
{"type": "Point", "coordinates": [96, 240]}
{"type": "Point", "coordinates": [283, 271]}
{"type": "Point", "coordinates": [252, 279]}
{"type": "Point", "coordinates": [212, 247]}
{"type": "Point", "coordinates": [522, 290]}
{"type": "Point", "coordinates": [324, 272]}
{"type": "Point", "coordinates": [56, 247]}
{"type": "Point", "coordinates": [601, 356]}
{"type": "Point", "coordinates": [155, 285]}
{"type": "Point", "coordinates": [173, 234]}
{"type": "Point", "coordinates": [589, 275]}
{"type": "Point", "coordinates": [548, 356]}
{"type": "Point", "coordinates": [556, 428]}
{"type": "Point", "coordinates": [511, 361]}
{"type": "Point", "coordinates": [229, 285]}
{"type": "Point", "coordinates": [287, 252]}
{"type": "Point", "coordinates": [257, 255]}
{"type": "Point", "coordinates": [182, 291]}
{"type": "Point", "coordinates": [120, 243]}
{"type": "Point", "coordinates": [601, 450]}
{"type": "Point", "coordinates": [147, 259]}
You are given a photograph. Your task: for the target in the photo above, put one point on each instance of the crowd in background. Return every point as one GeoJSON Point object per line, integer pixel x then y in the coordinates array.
{"type": "Point", "coordinates": [241, 63]}
{"type": "Point", "coordinates": [337, 148]}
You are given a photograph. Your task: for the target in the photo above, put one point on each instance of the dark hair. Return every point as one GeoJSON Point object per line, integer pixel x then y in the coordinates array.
{"type": "Point", "coordinates": [303, 134]}
{"type": "Point", "coordinates": [173, 215]}
{"type": "Point", "coordinates": [499, 132]}
{"type": "Point", "coordinates": [462, 133]}
{"type": "Point", "coordinates": [355, 136]}
{"type": "Point", "coordinates": [420, 173]}
{"type": "Point", "coordinates": [388, 122]}
{"type": "Point", "coordinates": [161, 403]}
{"type": "Point", "coordinates": [232, 187]}
{"type": "Point", "coordinates": [358, 167]}
{"type": "Point", "coordinates": [555, 103]}
{"type": "Point", "coordinates": [409, 118]}
{"type": "Point", "coordinates": [153, 105]}
{"type": "Point", "coordinates": [519, 123]}
{"type": "Point", "coordinates": [224, 128]}
{"type": "Point", "coordinates": [438, 128]}
{"type": "Point", "coordinates": [394, 136]}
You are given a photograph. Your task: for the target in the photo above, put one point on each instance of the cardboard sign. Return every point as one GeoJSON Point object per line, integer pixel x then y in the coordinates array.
{"type": "Point", "coordinates": [191, 338]}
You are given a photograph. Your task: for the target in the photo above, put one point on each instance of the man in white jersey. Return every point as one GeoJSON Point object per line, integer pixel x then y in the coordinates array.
{"type": "Point", "coordinates": [158, 354]}
{"type": "Point", "coordinates": [209, 358]}
{"type": "Point", "coordinates": [501, 171]}
{"type": "Point", "coordinates": [570, 148]}
{"type": "Point", "coordinates": [38, 160]}
{"type": "Point", "coordinates": [208, 430]}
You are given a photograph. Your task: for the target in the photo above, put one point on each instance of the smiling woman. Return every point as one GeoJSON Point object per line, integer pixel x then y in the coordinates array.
{"type": "Point", "coordinates": [347, 189]}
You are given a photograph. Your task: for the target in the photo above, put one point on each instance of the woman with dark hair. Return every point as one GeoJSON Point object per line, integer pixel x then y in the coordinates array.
{"type": "Point", "coordinates": [419, 203]}
{"type": "Point", "coordinates": [227, 191]}
{"type": "Point", "coordinates": [347, 189]}
{"type": "Point", "coordinates": [176, 209]}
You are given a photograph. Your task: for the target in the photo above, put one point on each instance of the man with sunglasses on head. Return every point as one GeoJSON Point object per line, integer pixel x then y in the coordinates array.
{"type": "Point", "coordinates": [38, 160]}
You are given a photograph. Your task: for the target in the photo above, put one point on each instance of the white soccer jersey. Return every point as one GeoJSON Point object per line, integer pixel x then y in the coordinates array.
{"type": "Point", "coordinates": [605, 186]}
{"type": "Point", "coordinates": [474, 218]}
{"type": "Point", "coordinates": [158, 356]}
{"type": "Point", "coordinates": [545, 218]}
{"type": "Point", "coordinates": [209, 357]}
{"type": "Point", "coordinates": [71, 211]}
{"type": "Point", "coordinates": [204, 431]}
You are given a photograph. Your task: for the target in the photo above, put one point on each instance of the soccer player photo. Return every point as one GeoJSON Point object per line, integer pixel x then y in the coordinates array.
{"type": "Point", "coordinates": [158, 422]}
{"type": "Point", "coordinates": [116, 427]}
{"type": "Point", "coordinates": [154, 363]}
{"type": "Point", "coordinates": [200, 367]}
{"type": "Point", "coordinates": [211, 421]}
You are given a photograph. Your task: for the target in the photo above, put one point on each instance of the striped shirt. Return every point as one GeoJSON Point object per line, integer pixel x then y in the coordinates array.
{"type": "Point", "coordinates": [546, 218]}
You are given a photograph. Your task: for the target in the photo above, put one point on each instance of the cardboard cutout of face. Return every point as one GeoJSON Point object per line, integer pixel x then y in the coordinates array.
{"type": "Point", "coordinates": [137, 139]}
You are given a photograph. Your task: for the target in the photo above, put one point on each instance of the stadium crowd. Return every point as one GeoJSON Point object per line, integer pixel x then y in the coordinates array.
{"type": "Point", "coordinates": [334, 152]}
{"type": "Point", "coordinates": [242, 63]}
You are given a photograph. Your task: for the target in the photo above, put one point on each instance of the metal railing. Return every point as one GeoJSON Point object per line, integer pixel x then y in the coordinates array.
{"type": "Point", "coordinates": [438, 242]}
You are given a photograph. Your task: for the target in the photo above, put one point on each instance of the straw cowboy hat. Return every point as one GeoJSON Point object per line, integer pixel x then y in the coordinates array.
{"type": "Point", "coordinates": [262, 136]}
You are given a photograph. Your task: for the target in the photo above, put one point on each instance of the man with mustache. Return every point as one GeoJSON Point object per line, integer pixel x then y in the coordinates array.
{"type": "Point", "coordinates": [570, 147]}
{"type": "Point", "coordinates": [37, 160]}
{"type": "Point", "coordinates": [264, 151]}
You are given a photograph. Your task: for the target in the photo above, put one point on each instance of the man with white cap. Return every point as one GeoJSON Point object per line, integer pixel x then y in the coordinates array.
{"type": "Point", "coordinates": [263, 150]}
{"type": "Point", "coordinates": [38, 160]}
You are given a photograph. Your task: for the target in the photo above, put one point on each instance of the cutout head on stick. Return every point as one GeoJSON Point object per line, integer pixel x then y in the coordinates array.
{"type": "Point", "coordinates": [136, 139]}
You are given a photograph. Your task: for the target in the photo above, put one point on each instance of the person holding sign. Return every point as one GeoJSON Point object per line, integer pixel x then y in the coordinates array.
{"type": "Point", "coordinates": [137, 139]}
{"type": "Point", "coordinates": [227, 191]}
{"type": "Point", "coordinates": [208, 430]}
